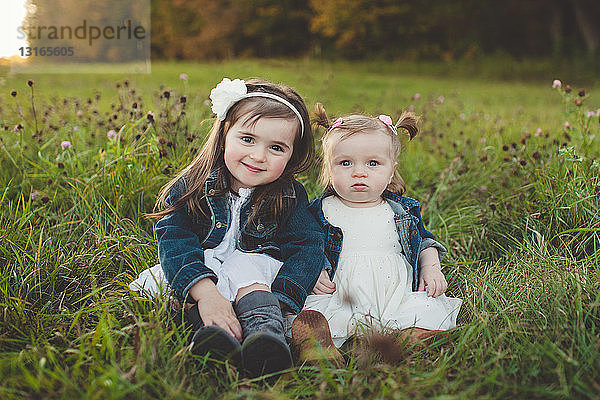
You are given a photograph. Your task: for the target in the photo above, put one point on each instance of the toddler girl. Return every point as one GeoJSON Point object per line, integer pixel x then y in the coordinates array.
{"type": "Point", "coordinates": [236, 238]}
{"type": "Point", "coordinates": [384, 266]}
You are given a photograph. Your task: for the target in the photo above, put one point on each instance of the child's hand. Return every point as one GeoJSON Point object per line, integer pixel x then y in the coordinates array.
{"type": "Point", "coordinates": [215, 309]}
{"type": "Point", "coordinates": [434, 279]}
{"type": "Point", "coordinates": [324, 284]}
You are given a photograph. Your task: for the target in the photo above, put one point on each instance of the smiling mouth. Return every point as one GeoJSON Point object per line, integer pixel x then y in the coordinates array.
{"type": "Point", "coordinates": [252, 169]}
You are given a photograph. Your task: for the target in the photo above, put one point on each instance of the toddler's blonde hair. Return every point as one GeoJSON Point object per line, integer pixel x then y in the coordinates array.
{"type": "Point", "coordinates": [356, 123]}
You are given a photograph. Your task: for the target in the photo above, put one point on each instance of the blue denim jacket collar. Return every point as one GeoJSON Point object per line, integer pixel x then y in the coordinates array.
{"type": "Point", "coordinates": [396, 204]}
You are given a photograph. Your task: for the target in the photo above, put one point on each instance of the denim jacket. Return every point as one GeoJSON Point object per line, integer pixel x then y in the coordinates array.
{"type": "Point", "coordinates": [294, 238]}
{"type": "Point", "coordinates": [412, 235]}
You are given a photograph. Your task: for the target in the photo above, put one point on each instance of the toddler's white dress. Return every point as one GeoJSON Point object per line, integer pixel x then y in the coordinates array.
{"type": "Point", "coordinates": [374, 279]}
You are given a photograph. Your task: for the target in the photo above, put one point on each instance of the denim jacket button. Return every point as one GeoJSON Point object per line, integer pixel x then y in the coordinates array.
{"type": "Point", "coordinates": [219, 225]}
{"type": "Point", "coordinates": [211, 192]}
{"type": "Point", "coordinates": [260, 227]}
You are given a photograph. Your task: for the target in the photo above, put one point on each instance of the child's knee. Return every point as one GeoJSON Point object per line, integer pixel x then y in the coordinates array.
{"type": "Point", "coordinates": [251, 288]}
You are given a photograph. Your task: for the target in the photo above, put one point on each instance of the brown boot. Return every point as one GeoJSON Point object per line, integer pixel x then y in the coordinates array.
{"type": "Point", "coordinates": [312, 337]}
{"type": "Point", "coordinates": [421, 335]}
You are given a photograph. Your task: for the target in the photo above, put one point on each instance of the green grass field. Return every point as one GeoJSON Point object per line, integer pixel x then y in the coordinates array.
{"type": "Point", "coordinates": [511, 190]}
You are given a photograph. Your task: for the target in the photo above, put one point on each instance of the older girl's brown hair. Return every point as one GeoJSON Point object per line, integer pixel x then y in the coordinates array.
{"type": "Point", "coordinates": [355, 123]}
{"type": "Point", "coordinates": [211, 157]}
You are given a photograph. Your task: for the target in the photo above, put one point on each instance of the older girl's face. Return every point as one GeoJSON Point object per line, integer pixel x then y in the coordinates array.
{"type": "Point", "coordinates": [361, 168]}
{"type": "Point", "coordinates": [258, 154]}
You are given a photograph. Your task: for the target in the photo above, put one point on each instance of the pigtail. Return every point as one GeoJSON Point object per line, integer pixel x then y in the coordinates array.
{"type": "Point", "coordinates": [321, 116]}
{"type": "Point", "coordinates": [409, 122]}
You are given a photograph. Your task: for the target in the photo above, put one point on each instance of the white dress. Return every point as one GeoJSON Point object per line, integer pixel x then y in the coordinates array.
{"type": "Point", "coordinates": [374, 279]}
{"type": "Point", "coordinates": [234, 268]}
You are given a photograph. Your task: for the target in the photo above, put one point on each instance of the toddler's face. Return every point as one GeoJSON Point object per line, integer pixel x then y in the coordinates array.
{"type": "Point", "coordinates": [361, 168]}
{"type": "Point", "coordinates": [257, 155]}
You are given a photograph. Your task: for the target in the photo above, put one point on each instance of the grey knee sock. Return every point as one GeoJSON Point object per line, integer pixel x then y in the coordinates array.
{"type": "Point", "coordinates": [259, 311]}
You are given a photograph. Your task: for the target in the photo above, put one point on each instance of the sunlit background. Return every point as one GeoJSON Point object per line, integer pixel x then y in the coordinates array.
{"type": "Point", "coordinates": [12, 13]}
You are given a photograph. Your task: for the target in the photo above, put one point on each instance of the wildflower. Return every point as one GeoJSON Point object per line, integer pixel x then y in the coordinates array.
{"type": "Point", "coordinates": [166, 94]}
{"type": "Point", "coordinates": [538, 132]}
{"type": "Point", "coordinates": [150, 117]}
{"type": "Point", "coordinates": [567, 125]}
{"type": "Point", "coordinates": [79, 113]}
{"type": "Point", "coordinates": [30, 83]}
{"type": "Point", "coordinates": [183, 99]}
{"type": "Point", "coordinates": [75, 128]}
{"type": "Point", "coordinates": [556, 84]}
{"type": "Point", "coordinates": [161, 140]}
{"type": "Point", "coordinates": [206, 102]}
{"type": "Point", "coordinates": [183, 77]}
{"type": "Point", "coordinates": [567, 89]}
{"type": "Point", "coordinates": [591, 114]}
{"type": "Point", "coordinates": [581, 93]}
{"type": "Point", "coordinates": [441, 99]}
{"type": "Point", "coordinates": [13, 93]}
{"type": "Point", "coordinates": [411, 108]}
{"type": "Point", "coordinates": [111, 134]}
{"type": "Point", "coordinates": [65, 144]}
{"type": "Point", "coordinates": [577, 101]}
{"type": "Point", "coordinates": [462, 116]}
{"type": "Point", "coordinates": [416, 96]}
{"type": "Point", "coordinates": [523, 162]}
{"type": "Point", "coordinates": [17, 128]}
{"type": "Point", "coordinates": [34, 195]}
{"type": "Point", "coordinates": [60, 165]}
{"type": "Point", "coordinates": [505, 148]}
{"type": "Point", "coordinates": [536, 155]}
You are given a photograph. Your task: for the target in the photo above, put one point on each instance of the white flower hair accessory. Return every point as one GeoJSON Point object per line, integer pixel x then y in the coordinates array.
{"type": "Point", "coordinates": [226, 94]}
{"type": "Point", "coordinates": [229, 92]}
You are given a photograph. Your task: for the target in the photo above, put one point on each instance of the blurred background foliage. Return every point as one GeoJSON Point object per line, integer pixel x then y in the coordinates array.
{"type": "Point", "coordinates": [355, 29]}
{"type": "Point", "coordinates": [358, 29]}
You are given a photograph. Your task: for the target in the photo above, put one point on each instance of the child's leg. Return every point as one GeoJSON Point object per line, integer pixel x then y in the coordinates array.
{"type": "Point", "coordinates": [264, 349]}
{"type": "Point", "coordinates": [212, 339]}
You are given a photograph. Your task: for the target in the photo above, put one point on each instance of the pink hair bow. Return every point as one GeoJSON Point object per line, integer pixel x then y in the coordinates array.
{"type": "Point", "coordinates": [386, 119]}
{"type": "Point", "coordinates": [337, 123]}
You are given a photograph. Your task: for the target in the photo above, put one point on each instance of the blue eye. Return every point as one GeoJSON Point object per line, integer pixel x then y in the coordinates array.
{"type": "Point", "coordinates": [373, 163]}
{"type": "Point", "coordinates": [345, 163]}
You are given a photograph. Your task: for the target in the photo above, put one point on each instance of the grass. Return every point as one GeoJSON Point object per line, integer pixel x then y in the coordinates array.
{"type": "Point", "coordinates": [512, 193]}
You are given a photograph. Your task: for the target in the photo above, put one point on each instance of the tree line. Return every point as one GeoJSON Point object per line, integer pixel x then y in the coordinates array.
{"type": "Point", "coordinates": [356, 29]}
{"type": "Point", "coordinates": [425, 29]}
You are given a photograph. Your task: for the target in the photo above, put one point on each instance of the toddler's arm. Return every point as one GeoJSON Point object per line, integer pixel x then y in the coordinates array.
{"type": "Point", "coordinates": [431, 273]}
{"type": "Point", "coordinates": [324, 285]}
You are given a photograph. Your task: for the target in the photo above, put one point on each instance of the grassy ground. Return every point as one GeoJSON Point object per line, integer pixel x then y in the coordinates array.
{"type": "Point", "coordinates": [511, 191]}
